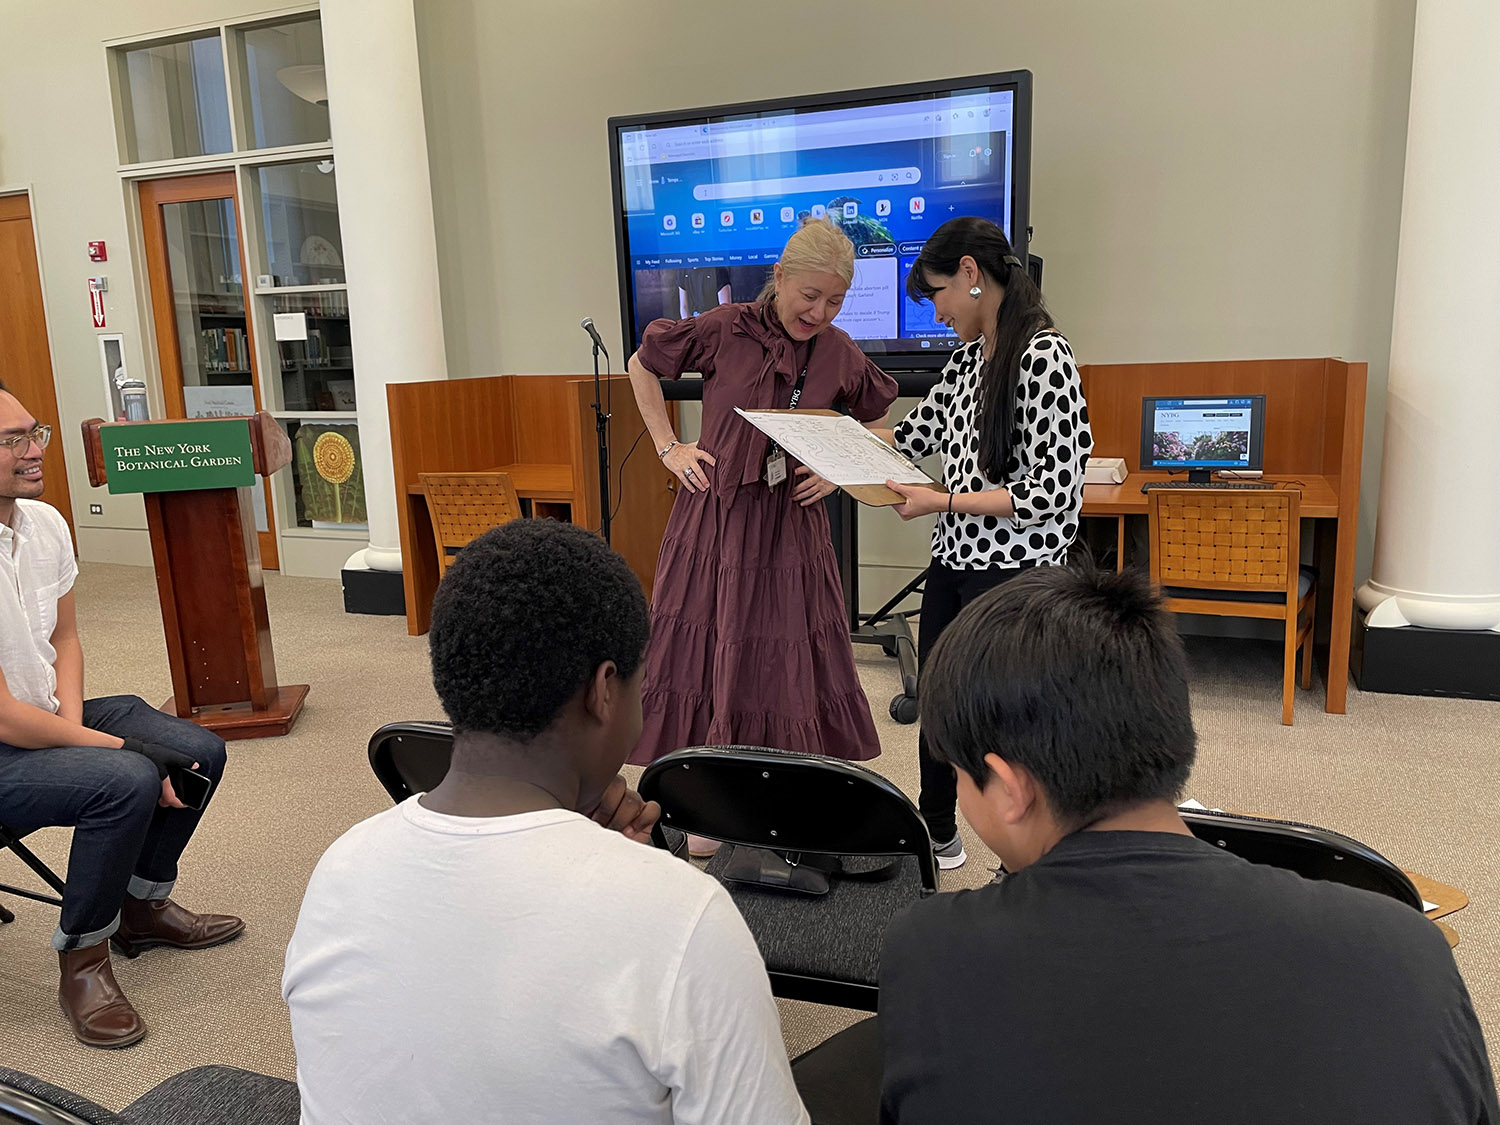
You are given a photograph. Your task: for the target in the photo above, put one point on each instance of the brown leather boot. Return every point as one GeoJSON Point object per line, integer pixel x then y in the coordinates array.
{"type": "Point", "coordinates": [160, 921]}
{"type": "Point", "coordinates": [99, 1012]}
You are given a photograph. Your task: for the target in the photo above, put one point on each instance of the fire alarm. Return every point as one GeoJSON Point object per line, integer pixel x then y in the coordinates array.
{"type": "Point", "coordinates": [97, 252]}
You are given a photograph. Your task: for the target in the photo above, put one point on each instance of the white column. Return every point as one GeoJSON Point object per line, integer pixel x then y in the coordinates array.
{"type": "Point", "coordinates": [385, 217]}
{"type": "Point", "coordinates": [1437, 542]}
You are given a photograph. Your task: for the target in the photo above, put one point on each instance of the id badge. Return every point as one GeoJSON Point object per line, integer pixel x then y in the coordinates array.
{"type": "Point", "coordinates": [775, 468]}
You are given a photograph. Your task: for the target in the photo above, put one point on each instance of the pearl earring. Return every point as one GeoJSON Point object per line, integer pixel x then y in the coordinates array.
{"type": "Point", "coordinates": [975, 292]}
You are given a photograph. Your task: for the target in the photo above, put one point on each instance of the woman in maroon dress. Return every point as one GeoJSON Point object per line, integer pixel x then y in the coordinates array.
{"type": "Point", "coordinates": [750, 638]}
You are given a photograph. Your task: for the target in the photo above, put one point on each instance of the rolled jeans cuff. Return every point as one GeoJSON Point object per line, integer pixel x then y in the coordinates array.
{"type": "Point", "coordinates": [145, 889]}
{"type": "Point", "coordinates": [63, 942]}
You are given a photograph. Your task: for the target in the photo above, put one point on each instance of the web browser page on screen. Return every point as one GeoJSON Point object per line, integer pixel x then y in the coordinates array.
{"type": "Point", "coordinates": [1201, 432]}
{"type": "Point", "coordinates": [709, 206]}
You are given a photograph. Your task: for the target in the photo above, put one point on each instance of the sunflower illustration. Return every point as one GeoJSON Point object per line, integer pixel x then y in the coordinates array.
{"type": "Point", "coordinates": [333, 457]}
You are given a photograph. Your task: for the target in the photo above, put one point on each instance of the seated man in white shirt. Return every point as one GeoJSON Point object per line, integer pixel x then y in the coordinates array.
{"type": "Point", "coordinates": [99, 766]}
{"type": "Point", "coordinates": [492, 950]}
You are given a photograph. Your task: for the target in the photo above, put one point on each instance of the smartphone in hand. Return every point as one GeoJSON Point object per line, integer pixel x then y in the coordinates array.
{"type": "Point", "coordinates": [192, 788]}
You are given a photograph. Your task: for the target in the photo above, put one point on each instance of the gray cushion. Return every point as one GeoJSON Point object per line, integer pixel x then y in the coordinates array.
{"type": "Point", "coordinates": [76, 1106]}
{"type": "Point", "coordinates": [836, 936]}
{"type": "Point", "coordinates": [217, 1095]}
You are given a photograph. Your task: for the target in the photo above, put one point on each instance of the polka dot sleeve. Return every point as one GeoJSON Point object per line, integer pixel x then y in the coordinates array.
{"type": "Point", "coordinates": [919, 434]}
{"type": "Point", "coordinates": [1056, 434]}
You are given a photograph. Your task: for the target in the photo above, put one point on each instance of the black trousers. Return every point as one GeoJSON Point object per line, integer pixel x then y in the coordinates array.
{"type": "Point", "coordinates": [945, 594]}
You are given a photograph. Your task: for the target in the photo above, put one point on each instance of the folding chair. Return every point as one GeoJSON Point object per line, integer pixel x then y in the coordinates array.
{"type": "Point", "coordinates": [1310, 851]}
{"type": "Point", "coordinates": [205, 1095]}
{"type": "Point", "coordinates": [410, 758]}
{"type": "Point", "coordinates": [10, 840]}
{"type": "Point", "coordinates": [823, 948]}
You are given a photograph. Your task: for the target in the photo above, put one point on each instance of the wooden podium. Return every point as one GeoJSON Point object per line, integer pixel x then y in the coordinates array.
{"type": "Point", "coordinates": [195, 476]}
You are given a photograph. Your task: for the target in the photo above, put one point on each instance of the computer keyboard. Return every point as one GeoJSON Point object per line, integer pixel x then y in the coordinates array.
{"type": "Point", "coordinates": [1262, 485]}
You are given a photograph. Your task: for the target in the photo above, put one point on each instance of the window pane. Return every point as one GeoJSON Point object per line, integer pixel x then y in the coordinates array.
{"type": "Point", "coordinates": [178, 102]}
{"type": "Point", "coordinates": [203, 254]}
{"type": "Point", "coordinates": [288, 91]}
{"type": "Point", "coordinates": [300, 221]}
{"type": "Point", "coordinates": [327, 475]}
{"type": "Point", "coordinates": [317, 373]}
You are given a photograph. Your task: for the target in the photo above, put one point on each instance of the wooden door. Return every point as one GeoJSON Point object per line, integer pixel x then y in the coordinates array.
{"type": "Point", "coordinates": [200, 304]}
{"type": "Point", "coordinates": [25, 357]}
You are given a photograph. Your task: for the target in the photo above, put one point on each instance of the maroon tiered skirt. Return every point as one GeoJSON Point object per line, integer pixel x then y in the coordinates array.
{"type": "Point", "coordinates": [749, 635]}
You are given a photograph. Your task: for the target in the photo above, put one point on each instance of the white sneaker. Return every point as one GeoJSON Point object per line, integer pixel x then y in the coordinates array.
{"type": "Point", "coordinates": [951, 854]}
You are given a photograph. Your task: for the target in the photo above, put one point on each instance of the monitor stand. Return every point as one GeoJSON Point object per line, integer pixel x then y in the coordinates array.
{"type": "Point", "coordinates": [1200, 476]}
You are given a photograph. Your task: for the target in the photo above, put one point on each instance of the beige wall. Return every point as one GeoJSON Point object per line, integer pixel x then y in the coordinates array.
{"type": "Point", "coordinates": [57, 137]}
{"type": "Point", "coordinates": [1210, 180]}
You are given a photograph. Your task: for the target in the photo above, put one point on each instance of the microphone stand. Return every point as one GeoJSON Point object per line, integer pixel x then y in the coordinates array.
{"type": "Point", "coordinates": [601, 426]}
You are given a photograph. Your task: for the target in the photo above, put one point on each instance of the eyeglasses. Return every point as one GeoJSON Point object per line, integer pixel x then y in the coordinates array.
{"type": "Point", "coordinates": [21, 442]}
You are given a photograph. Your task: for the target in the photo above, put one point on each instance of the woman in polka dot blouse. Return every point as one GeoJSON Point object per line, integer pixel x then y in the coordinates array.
{"type": "Point", "coordinates": [1009, 422]}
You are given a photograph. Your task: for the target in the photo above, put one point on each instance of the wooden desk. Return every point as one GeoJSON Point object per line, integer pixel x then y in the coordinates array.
{"type": "Point", "coordinates": [1315, 416]}
{"type": "Point", "coordinates": [540, 430]}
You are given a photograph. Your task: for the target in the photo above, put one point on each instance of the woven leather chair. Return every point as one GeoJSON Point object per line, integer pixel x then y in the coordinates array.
{"type": "Point", "coordinates": [826, 948]}
{"type": "Point", "coordinates": [1234, 553]}
{"type": "Point", "coordinates": [464, 506]}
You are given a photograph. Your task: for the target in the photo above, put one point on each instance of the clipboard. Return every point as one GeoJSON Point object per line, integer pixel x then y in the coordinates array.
{"type": "Point", "coordinates": [873, 495]}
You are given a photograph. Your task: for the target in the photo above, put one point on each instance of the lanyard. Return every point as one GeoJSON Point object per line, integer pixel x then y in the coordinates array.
{"type": "Point", "coordinates": [797, 390]}
{"type": "Point", "coordinates": [802, 379]}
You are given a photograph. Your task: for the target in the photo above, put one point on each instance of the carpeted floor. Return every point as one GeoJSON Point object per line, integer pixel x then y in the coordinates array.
{"type": "Point", "coordinates": [1415, 778]}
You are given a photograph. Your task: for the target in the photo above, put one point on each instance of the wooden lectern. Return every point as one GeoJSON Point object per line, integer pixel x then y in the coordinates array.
{"type": "Point", "coordinates": [196, 477]}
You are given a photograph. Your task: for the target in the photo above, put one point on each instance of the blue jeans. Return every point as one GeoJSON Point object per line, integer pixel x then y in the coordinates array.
{"type": "Point", "coordinates": [122, 840]}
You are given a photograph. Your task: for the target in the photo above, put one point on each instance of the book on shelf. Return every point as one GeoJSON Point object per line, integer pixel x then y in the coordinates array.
{"type": "Point", "coordinates": [225, 349]}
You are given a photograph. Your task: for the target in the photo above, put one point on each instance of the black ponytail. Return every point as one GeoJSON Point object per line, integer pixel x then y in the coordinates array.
{"type": "Point", "coordinates": [1022, 315]}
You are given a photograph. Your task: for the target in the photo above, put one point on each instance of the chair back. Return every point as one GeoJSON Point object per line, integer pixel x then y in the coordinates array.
{"type": "Point", "coordinates": [464, 506]}
{"type": "Point", "coordinates": [411, 758]}
{"type": "Point", "coordinates": [1313, 853]}
{"type": "Point", "coordinates": [1225, 539]}
{"type": "Point", "coordinates": [788, 802]}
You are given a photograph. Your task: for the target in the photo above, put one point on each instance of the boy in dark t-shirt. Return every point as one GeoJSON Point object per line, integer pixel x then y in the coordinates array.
{"type": "Point", "coordinates": [1126, 971]}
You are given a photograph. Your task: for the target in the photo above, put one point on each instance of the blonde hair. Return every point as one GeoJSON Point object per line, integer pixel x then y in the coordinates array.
{"type": "Point", "coordinates": [818, 247]}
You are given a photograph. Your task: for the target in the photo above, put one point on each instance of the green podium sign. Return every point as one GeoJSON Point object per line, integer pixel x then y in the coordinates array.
{"type": "Point", "coordinates": [177, 456]}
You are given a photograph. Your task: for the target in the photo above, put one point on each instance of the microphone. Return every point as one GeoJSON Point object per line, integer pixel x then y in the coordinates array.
{"type": "Point", "coordinates": [587, 324]}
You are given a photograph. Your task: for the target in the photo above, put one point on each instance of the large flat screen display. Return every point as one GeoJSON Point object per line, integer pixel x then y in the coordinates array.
{"type": "Point", "coordinates": [705, 199]}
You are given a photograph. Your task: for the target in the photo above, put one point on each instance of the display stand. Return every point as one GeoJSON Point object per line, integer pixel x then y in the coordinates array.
{"type": "Point", "coordinates": [196, 476]}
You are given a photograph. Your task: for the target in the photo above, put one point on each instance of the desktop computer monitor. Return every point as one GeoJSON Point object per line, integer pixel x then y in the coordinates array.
{"type": "Point", "coordinates": [1203, 435]}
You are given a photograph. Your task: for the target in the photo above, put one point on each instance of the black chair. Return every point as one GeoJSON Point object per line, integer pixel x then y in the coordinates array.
{"type": "Point", "coordinates": [823, 948]}
{"type": "Point", "coordinates": [205, 1095]}
{"type": "Point", "coordinates": [1312, 852]}
{"type": "Point", "coordinates": [10, 840]}
{"type": "Point", "coordinates": [410, 758]}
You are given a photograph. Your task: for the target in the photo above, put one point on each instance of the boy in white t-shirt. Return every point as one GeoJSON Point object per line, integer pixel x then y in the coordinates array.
{"type": "Point", "coordinates": [507, 947]}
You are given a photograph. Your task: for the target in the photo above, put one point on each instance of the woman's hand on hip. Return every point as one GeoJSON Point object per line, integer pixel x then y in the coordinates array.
{"type": "Point", "coordinates": [690, 465]}
{"type": "Point", "coordinates": [811, 488]}
{"type": "Point", "coordinates": [920, 500]}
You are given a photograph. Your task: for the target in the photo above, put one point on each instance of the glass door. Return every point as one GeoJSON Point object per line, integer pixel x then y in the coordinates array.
{"type": "Point", "coordinates": [194, 257]}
